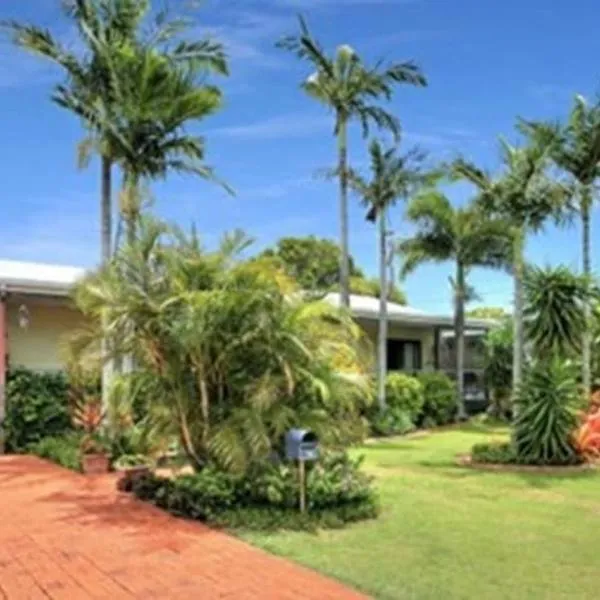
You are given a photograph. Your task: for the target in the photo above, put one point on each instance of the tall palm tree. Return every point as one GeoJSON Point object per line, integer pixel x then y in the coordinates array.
{"type": "Point", "coordinates": [576, 151]}
{"type": "Point", "coordinates": [524, 195]}
{"type": "Point", "coordinates": [154, 103]}
{"type": "Point", "coordinates": [104, 27]}
{"type": "Point", "coordinates": [349, 88]}
{"type": "Point", "coordinates": [466, 236]}
{"type": "Point", "coordinates": [393, 177]}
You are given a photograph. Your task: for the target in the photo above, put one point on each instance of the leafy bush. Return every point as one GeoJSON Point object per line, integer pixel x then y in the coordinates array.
{"type": "Point", "coordinates": [441, 401]}
{"type": "Point", "coordinates": [126, 461]}
{"type": "Point", "coordinates": [267, 496]}
{"type": "Point", "coordinates": [37, 407]}
{"type": "Point", "coordinates": [547, 414]}
{"type": "Point", "coordinates": [405, 393]}
{"type": "Point", "coordinates": [393, 421]}
{"type": "Point", "coordinates": [63, 450]}
{"type": "Point", "coordinates": [500, 454]}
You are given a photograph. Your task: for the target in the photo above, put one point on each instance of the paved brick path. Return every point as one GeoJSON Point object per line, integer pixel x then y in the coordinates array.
{"type": "Point", "coordinates": [63, 535]}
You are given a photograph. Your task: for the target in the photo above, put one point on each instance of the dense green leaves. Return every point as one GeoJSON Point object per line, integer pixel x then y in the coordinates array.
{"type": "Point", "coordinates": [554, 310]}
{"type": "Point", "coordinates": [548, 400]}
{"type": "Point", "coordinates": [226, 349]}
{"type": "Point", "coordinates": [37, 406]}
{"type": "Point", "coordinates": [441, 400]}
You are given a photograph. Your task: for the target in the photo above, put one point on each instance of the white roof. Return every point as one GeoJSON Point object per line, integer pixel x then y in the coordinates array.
{"type": "Point", "coordinates": [367, 307]}
{"type": "Point", "coordinates": [39, 278]}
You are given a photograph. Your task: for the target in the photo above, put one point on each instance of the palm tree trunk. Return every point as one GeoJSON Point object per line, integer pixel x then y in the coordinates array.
{"type": "Point", "coordinates": [586, 202]}
{"type": "Point", "coordinates": [519, 333]}
{"type": "Point", "coordinates": [106, 250]}
{"type": "Point", "coordinates": [383, 292]}
{"type": "Point", "coordinates": [459, 336]}
{"type": "Point", "coordinates": [106, 210]}
{"type": "Point", "coordinates": [343, 174]}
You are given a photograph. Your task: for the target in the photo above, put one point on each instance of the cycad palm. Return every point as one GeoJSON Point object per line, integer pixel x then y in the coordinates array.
{"type": "Point", "coordinates": [575, 149]}
{"type": "Point", "coordinates": [104, 28]}
{"type": "Point", "coordinates": [350, 88]}
{"type": "Point", "coordinates": [526, 197]}
{"type": "Point", "coordinates": [393, 177]}
{"type": "Point", "coordinates": [463, 235]}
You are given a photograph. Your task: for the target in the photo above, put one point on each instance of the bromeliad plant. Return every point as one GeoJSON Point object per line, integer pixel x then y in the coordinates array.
{"type": "Point", "coordinates": [226, 350]}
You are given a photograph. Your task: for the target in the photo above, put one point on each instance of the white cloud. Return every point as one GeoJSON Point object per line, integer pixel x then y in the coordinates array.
{"type": "Point", "coordinates": [282, 126]}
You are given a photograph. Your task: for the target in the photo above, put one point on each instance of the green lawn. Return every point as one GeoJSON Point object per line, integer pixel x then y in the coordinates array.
{"type": "Point", "coordinates": [452, 532]}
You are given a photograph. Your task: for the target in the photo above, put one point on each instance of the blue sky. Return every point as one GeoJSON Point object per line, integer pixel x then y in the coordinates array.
{"type": "Point", "coordinates": [486, 62]}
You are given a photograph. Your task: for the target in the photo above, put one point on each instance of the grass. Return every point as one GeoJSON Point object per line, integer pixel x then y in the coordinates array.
{"type": "Point", "coordinates": [453, 532]}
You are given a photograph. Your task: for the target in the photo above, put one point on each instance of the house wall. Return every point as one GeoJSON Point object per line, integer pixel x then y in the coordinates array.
{"type": "Point", "coordinates": [39, 346]}
{"type": "Point", "coordinates": [425, 335]}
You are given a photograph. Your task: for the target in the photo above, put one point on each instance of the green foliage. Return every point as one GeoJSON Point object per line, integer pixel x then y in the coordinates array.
{"type": "Point", "coordinates": [64, 450]}
{"type": "Point", "coordinates": [406, 393]}
{"type": "Point", "coordinates": [498, 357]}
{"type": "Point", "coordinates": [228, 356]}
{"type": "Point", "coordinates": [267, 496]}
{"type": "Point", "coordinates": [495, 453]}
{"type": "Point", "coordinates": [548, 400]}
{"type": "Point", "coordinates": [132, 460]}
{"type": "Point", "coordinates": [554, 309]}
{"type": "Point", "coordinates": [314, 263]}
{"type": "Point", "coordinates": [393, 421]}
{"type": "Point", "coordinates": [37, 407]}
{"type": "Point", "coordinates": [372, 287]}
{"type": "Point", "coordinates": [494, 313]}
{"type": "Point", "coordinates": [441, 400]}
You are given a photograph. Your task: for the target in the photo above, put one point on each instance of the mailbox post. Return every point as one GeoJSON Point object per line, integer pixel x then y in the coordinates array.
{"type": "Point", "coordinates": [301, 445]}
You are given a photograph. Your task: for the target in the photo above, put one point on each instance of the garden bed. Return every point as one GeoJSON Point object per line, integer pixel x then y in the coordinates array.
{"type": "Point", "coordinates": [466, 460]}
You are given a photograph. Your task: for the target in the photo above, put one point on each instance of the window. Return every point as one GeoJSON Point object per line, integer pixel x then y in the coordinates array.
{"type": "Point", "coordinates": [403, 355]}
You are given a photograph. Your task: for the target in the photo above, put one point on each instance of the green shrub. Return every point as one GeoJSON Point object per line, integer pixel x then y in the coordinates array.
{"type": "Point", "coordinates": [37, 407]}
{"type": "Point", "coordinates": [405, 393]}
{"type": "Point", "coordinates": [500, 454]}
{"type": "Point", "coordinates": [441, 401]}
{"type": "Point", "coordinates": [267, 496]}
{"type": "Point", "coordinates": [393, 421]}
{"type": "Point", "coordinates": [63, 450]}
{"type": "Point", "coordinates": [547, 414]}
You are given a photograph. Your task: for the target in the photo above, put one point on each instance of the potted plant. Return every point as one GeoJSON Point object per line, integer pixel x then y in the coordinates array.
{"type": "Point", "coordinates": [88, 416]}
{"type": "Point", "coordinates": [131, 467]}
{"type": "Point", "coordinates": [94, 455]}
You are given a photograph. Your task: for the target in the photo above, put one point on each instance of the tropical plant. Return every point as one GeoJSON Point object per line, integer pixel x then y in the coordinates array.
{"type": "Point", "coordinates": [587, 436]}
{"type": "Point", "coordinates": [406, 393]}
{"type": "Point", "coordinates": [393, 177]}
{"type": "Point", "coordinates": [349, 88]}
{"type": "Point", "coordinates": [495, 313]}
{"type": "Point", "coordinates": [525, 196]}
{"type": "Point", "coordinates": [37, 407]}
{"type": "Point", "coordinates": [226, 348]}
{"type": "Point", "coordinates": [108, 30]}
{"type": "Point", "coordinates": [498, 360]}
{"type": "Point", "coordinates": [548, 400]}
{"type": "Point", "coordinates": [441, 399]}
{"type": "Point", "coordinates": [575, 149]}
{"type": "Point", "coordinates": [555, 320]}
{"type": "Point", "coordinates": [64, 450]}
{"type": "Point", "coordinates": [463, 235]}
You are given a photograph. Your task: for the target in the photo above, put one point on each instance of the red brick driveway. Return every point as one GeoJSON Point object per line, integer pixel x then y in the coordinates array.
{"type": "Point", "coordinates": [63, 535]}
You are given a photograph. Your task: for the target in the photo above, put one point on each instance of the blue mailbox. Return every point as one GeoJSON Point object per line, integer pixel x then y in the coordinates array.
{"type": "Point", "coordinates": [301, 444]}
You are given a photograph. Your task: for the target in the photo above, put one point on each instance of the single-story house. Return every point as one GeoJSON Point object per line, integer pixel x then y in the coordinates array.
{"type": "Point", "coordinates": [36, 312]}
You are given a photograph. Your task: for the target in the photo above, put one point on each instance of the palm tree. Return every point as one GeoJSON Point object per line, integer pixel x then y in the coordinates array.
{"type": "Point", "coordinates": [349, 88]}
{"type": "Point", "coordinates": [154, 102]}
{"type": "Point", "coordinates": [104, 28]}
{"type": "Point", "coordinates": [393, 177]}
{"type": "Point", "coordinates": [575, 150]}
{"type": "Point", "coordinates": [526, 197]}
{"type": "Point", "coordinates": [226, 349]}
{"type": "Point", "coordinates": [463, 235]}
